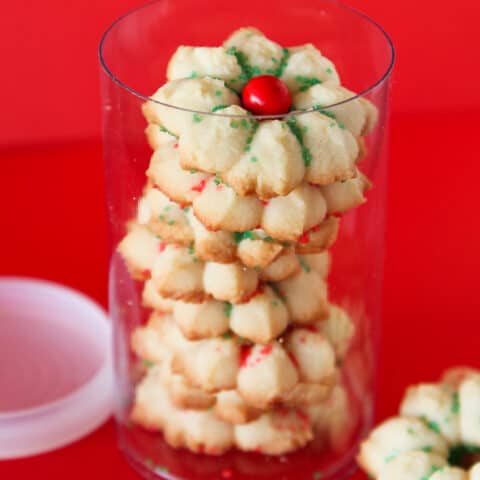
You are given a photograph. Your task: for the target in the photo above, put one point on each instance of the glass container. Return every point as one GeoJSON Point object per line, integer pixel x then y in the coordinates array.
{"type": "Point", "coordinates": [134, 53]}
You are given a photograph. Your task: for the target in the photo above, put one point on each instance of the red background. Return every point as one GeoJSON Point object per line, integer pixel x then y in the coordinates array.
{"type": "Point", "coordinates": [53, 221]}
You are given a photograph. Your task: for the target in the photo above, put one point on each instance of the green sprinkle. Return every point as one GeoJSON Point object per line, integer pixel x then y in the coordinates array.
{"type": "Point", "coordinates": [327, 113]}
{"type": "Point", "coordinates": [249, 141]}
{"type": "Point", "coordinates": [244, 123]}
{"type": "Point", "coordinates": [227, 309]}
{"type": "Point", "coordinates": [393, 454]}
{"type": "Point", "coordinates": [164, 130]}
{"type": "Point", "coordinates": [307, 82]}
{"type": "Point", "coordinates": [234, 124]}
{"type": "Point", "coordinates": [149, 462]}
{"type": "Point", "coordinates": [239, 236]}
{"type": "Point", "coordinates": [195, 259]}
{"type": "Point", "coordinates": [191, 249]}
{"type": "Point", "coordinates": [161, 217]}
{"type": "Point", "coordinates": [242, 59]}
{"type": "Point", "coordinates": [227, 336]}
{"type": "Point", "coordinates": [186, 209]}
{"type": "Point", "coordinates": [274, 60]}
{"type": "Point", "coordinates": [432, 425]}
{"type": "Point", "coordinates": [283, 63]}
{"type": "Point", "coordinates": [317, 475]}
{"type": "Point", "coordinates": [148, 364]}
{"type": "Point", "coordinates": [305, 267]}
{"type": "Point", "coordinates": [253, 159]}
{"type": "Point", "coordinates": [219, 107]}
{"type": "Point", "coordinates": [333, 124]}
{"type": "Point", "coordinates": [275, 288]}
{"type": "Point", "coordinates": [411, 431]}
{"type": "Point", "coordinates": [427, 449]}
{"type": "Point", "coordinates": [275, 303]}
{"type": "Point", "coordinates": [167, 208]}
{"type": "Point", "coordinates": [455, 403]}
{"type": "Point", "coordinates": [329, 70]}
{"type": "Point", "coordinates": [256, 71]}
{"type": "Point", "coordinates": [218, 93]}
{"type": "Point", "coordinates": [341, 125]}
{"type": "Point", "coordinates": [257, 268]}
{"type": "Point", "coordinates": [197, 118]}
{"type": "Point", "coordinates": [193, 170]}
{"type": "Point", "coordinates": [217, 181]}
{"type": "Point", "coordinates": [171, 222]}
{"type": "Point", "coordinates": [193, 75]}
{"type": "Point", "coordinates": [297, 131]}
{"type": "Point", "coordinates": [158, 237]}
{"type": "Point", "coordinates": [268, 239]}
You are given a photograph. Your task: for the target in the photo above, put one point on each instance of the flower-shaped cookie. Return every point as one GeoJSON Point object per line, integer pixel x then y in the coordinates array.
{"type": "Point", "coordinates": [254, 248]}
{"type": "Point", "coordinates": [176, 273]}
{"type": "Point", "coordinates": [218, 207]}
{"type": "Point", "coordinates": [274, 156]}
{"type": "Point", "coordinates": [438, 423]}
{"type": "Point", "coordinates": [299, 372]}
{"type": "Point", "coordinates": [276, 432]}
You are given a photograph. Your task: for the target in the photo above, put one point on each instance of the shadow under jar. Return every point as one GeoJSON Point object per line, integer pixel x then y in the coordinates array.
{"type": "Point", "coordinates": [341, 307]}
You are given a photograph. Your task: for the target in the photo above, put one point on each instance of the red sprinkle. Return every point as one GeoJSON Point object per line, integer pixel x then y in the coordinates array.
{"type": "Point", "coordinates": [162, 246]}
{"type": "Point", "coordinates": [200, 186]}
{"type": "Point", "coordinates": [303, 339]}
{"type": "Point", "coordinates": [256, 292]}
{"type": "Point", "coordinates": [303, 238]}
{"type": "Point", "coordinates": [245, 351]}
{"type": "Point", "coordinates": [267, 349]}
{"type": "Point", "coordinates": [219, 187]}
{"type": "Point", "coordinates": [304, 417]}
{"type": "Point", "coordinates": [175, 145]}
{"type": "Point", "coordinates": [316, 228]}
{"type": "Point", "coordinates": [337, 214]}
{"type": "Point", "coordinates": [227, 473]}
{"type": "Point", "coordinates": [311, 328]}
{"type": "Point", "coordinates": [264, 202]}
{"type": "Point", "coordinates": [282, 411]}
{"type": "Point", "coordinates": [294, 360]}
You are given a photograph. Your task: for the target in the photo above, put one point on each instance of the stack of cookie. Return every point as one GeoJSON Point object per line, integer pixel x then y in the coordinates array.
{"type": "Point", "coordinates": [231, 241]}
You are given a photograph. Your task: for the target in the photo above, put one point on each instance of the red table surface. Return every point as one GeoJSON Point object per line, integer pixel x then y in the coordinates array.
{"type": "Point", "coordinates": [54, 227]}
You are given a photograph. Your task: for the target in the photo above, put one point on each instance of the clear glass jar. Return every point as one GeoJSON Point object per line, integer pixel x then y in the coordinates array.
{"type": "Point", "coordinates": [134, 53]}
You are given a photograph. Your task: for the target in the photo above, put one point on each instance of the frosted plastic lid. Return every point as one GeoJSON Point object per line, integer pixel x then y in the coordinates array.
{"type": "Point", "coordinates": [55, 366]}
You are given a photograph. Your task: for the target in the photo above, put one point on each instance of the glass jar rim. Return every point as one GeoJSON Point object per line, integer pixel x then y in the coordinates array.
{"type": "Point", "coordinates": [383, 77]}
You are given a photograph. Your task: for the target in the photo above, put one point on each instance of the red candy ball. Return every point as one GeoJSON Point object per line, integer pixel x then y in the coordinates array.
{"type": "Point", "coordinates": [266, 95]}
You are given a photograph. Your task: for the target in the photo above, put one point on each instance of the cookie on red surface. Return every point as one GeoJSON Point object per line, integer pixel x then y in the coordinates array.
{"type": "Point", "coordinates": [413, 465]}
{"type": "Point", "coordinates": [440, 418]}
{"type": "Point", "coordinates": [395, 436]}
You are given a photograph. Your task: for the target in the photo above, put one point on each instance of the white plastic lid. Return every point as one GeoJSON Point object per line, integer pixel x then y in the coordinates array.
{"type": "Point", "coordinates": [55, 366]}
